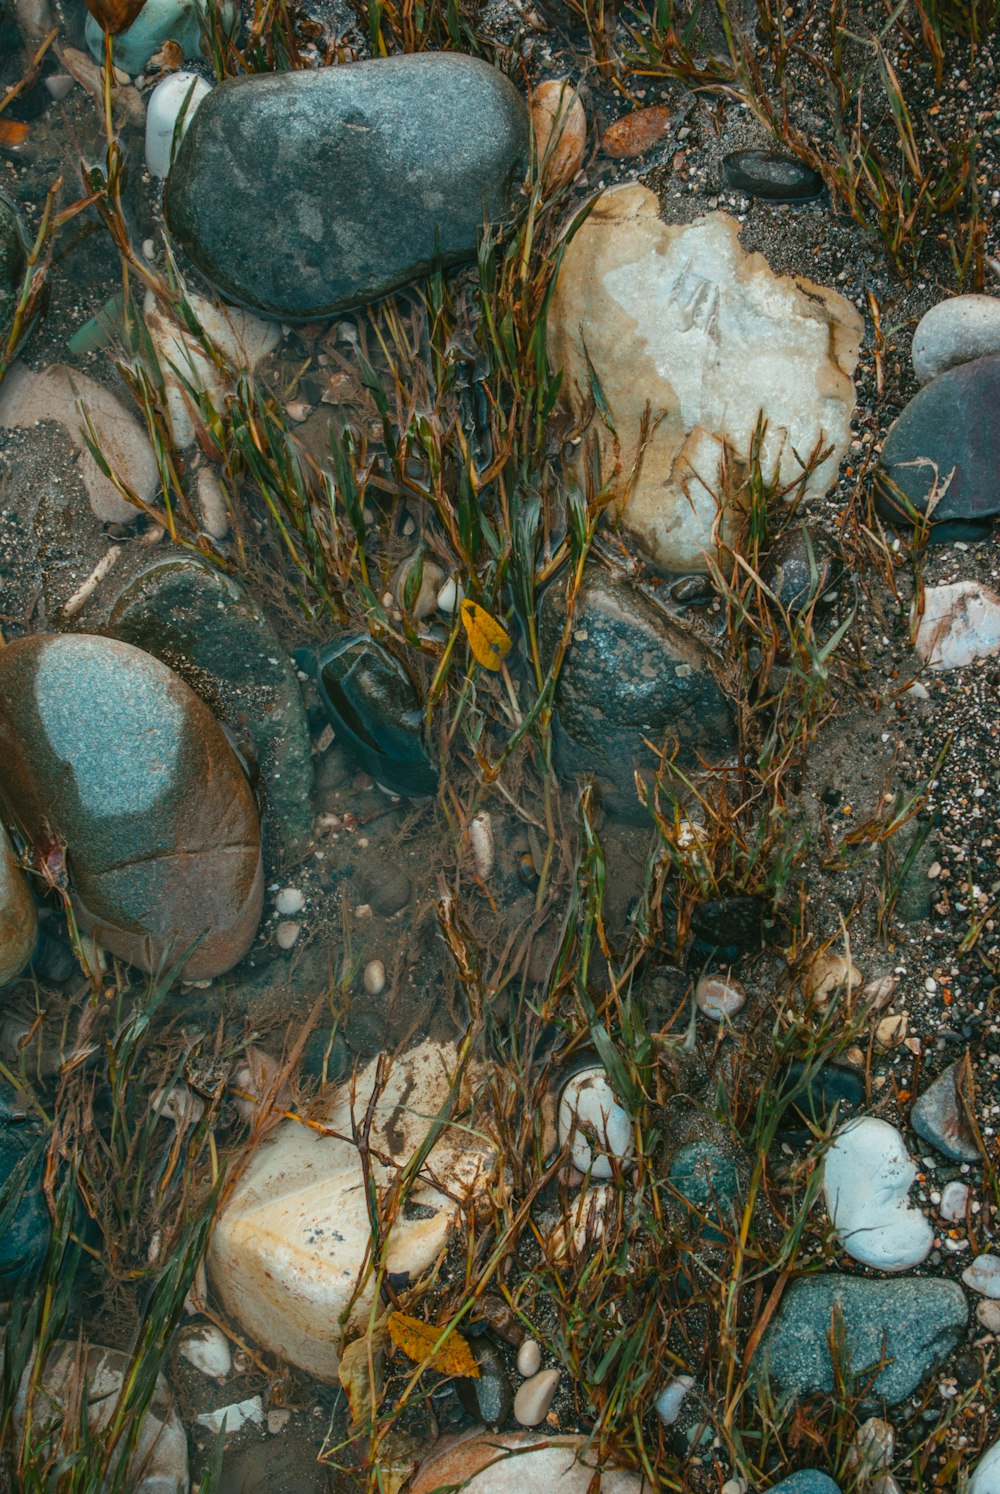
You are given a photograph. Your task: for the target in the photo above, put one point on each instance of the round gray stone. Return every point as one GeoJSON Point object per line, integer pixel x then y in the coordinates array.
{"type": "Point", "coordinates": [955, 331]}
{"type": "Point", "coordinates": [300, 194]}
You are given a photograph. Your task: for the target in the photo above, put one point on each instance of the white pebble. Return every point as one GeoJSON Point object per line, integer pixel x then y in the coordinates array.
{"type": "Point", "coordinates": [588, 1103]}
{"type": "Point", "coordinates": [207, 1348]}
{"type": "Point", "coordinates": [373, 979]}
{"type": "Point", "coordinates": [983, 1276]}
{"type": "Point", "coordinates": [286, 934]}
{"type": "Point", "coordinates": [867, 1176]}
{"type": "Point", "coordinates": [289, 900]}
{"type": "Point", "coordinates": [481, 844]}
{"type": "Point", "coordinates": [181, 92]}
{"type": "Point", "coordinates": [529, 1358]}
{"type": "Point", "coordinates": [534, 1397]}
{"type": "Point", "coordinates": [231, 1418]}
{"type": "Point", "coordinates": [719, 996]}
{"type": "Point", "coordinates": [450, 595]}
{"type": "Point", "coordinates": [278, 1419]}
{"type": "Point", "coordinates": [954, 1201]}
{"type": "Point", "coordinates": [212, 504]}
{"type": "Point", "coordinates": [671, 1398]}
{"type": "Point", "coordinates": [988, 1314]}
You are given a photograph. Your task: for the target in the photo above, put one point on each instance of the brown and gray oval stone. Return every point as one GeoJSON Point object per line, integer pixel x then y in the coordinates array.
{"type": "Point", "coordinates": [300, 194]}
{"type": "Point", "coordinates": [105, 748]}
{"type": "Point", "coordinates": [18, 916]}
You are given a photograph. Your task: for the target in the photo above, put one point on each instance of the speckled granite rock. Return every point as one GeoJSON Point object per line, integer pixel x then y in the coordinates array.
{"type": "Point", "coordinates": [299, 194]}
{"type": "Point", "coordinates": [106, 748]}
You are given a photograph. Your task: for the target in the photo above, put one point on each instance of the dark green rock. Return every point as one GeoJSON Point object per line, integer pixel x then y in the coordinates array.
{"type": "Point", "coordinates": [490, 1398]}
{"type": "Point", "coordinates": [808, 1481]}
{"type": "Point", "coordinates": [13, 262]}
{"type": "Point", "coordinates": [947, 437]}
{"type": "Point", "coordinates": [25, 1226]}
{"type": "Point", "coordinates": [707, 1181]}
{"type": "Point", "coordinates": [630, 674]}
{"type": "Point", "coordinates": [300, 194]}
{"type": "Point", "coordinates": [799, 568]}
{"type": "Point", "coordinates": [937, 1117]}
{"type": "Point", "coordinates": [724, 928]}
{"type": "Point", "coordinates": [913, 1322]}
{"type": "Point", "coordinates": [206, 627]}
{"type": "Point", "coordinates": [762, 173]}
{"type": "Point", "coordinates": [831, 1092]}
{"type": "Point", "coordinates": [377, 714]}
{"type": "Point", "coordinates": [106, 752]}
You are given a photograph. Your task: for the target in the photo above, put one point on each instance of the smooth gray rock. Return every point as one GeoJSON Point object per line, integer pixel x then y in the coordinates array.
{"type": "Point", "coordinates": [937, 1117]}
{"type": "Point", "coordinates": [915, 1322]}
{"type": "Point", "coordinates": [955, 331]}
{"type": "Point", "coordinates": [765, 174]}
{"type": "Point", "coordinates": [630, 674]}
{"type": "Point", "coordinates": [300, 194]}
{"type": "Point", "coordinates": [206, 627]}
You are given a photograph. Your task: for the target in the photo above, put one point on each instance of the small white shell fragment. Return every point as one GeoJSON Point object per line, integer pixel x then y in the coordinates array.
{"type": "Point", "coordinates": [670, 1399]}
{"type": "Point", "coordinates": [983, 1276]}
{"type": "Point", "coordinates": [588, 1104]}
{"type": "Point", "coordinates": [286, 934]}
{"type": "Point", "coordinates": [954, 1201]}
{"type": "Point", "coordinates": [450, 595]}
{"type": "Point", "coordinates": [481, 844]}
{"type": "Point", "coordinates": [231, 1418]}
{"type": "Point", "coordinates": [207, 1348]}
{"type": "Point", "coordinates": [178, 95]}
{"type": "Point", "coordinates": [529, 1358]}
{"type": "Point", "coordinates": [373, 979]}
{"type": "Point", "coordinates": [179, 1104]}
{"type": "Point", "coordinates": [719, 996]}
{"type": "Point", "coordinates": [289, 900]}
{"type": "Point", "coordinates": [534, 1397]}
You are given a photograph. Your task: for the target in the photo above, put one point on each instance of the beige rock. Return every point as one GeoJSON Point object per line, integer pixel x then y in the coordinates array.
{"type": "Point", "coordinates": [293, 1240]}
{"type": "Point", "coordinates": [556, 108]}
{"type": "Point", "coordinates": [69, 397]}
{"type": "Point", "coordinates": [830, 974]}
{"type": "Point", "coordinates": [481, 1463]}
{"type": "Point", "coordinates": [535, 1396]}
{"type": "Point", "coordinates": [18, 917]}
{"type": "Point", "coordinates": [680, 320]}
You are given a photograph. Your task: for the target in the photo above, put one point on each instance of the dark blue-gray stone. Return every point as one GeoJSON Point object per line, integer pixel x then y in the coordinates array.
{"type": "Point", "coordinates": [107, 753]}
{"type": "Point", "coordinates": [707, 1181]}
{"type": "Point", "coordinates": [912, 1322]}
{"type": "Point", "coordinates": [490, 1398]}
{"type": "Point", "coordinates": [631, 675]}
{"type": "Point", "coordinates": [25, 1226]}
{"type": "Point", "coordinates": [300, 194]}
{"type": "Point", "coordinates": [947, 439]}
{"type": "Point", "coordinates": [377, 714]}
{"type": "Point", "coordinates": [807, 1481]}
{"type": "Point", "coordinates": [205, 626]}
{"type": "Point", "coordinates": [938, 1118]}
{"type": "Point", "coordinates": [763, 173]}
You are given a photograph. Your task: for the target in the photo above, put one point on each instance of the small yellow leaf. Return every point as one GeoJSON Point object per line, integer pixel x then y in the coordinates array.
{"type": "Point", "coordinates": [416, 1339]}
{"type": "Point", "coordinates": [489, 643]}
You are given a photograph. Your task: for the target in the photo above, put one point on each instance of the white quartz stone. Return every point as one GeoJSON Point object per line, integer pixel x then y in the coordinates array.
{"type": "Point", "coordinates": [588, 1106]}
{"type": "Point", "coordinates": [983, 1276]}
{"type": "Point", "coordinates": [867, 1176]}
{"type": "Point", "coordinates": [171, 108]}
{"type": "Point", "coordinates": [207, 1348]}
{"type": "Point", "coordinates": [986, 1478]}
{"type": "Point", "coordinates": [960, 623]}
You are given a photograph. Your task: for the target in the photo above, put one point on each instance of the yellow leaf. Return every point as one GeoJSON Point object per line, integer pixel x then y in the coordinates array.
{"type": "Point", "coordinates": [357, 1372]}
{"type": "Point", "coordinates": [417, 1339]}
{"type": "Point", "coordinates": [489, 643]}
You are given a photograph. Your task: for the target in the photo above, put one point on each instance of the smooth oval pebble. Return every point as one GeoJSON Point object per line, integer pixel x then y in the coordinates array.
{"type": "Point", "coordinates": [301, 194]}
{"type": "Point", "coordinates": [671, 1398]}
{"type": "Point", "coordinates": [450, 595]}
{"type": "Point", "coordinates": [635, 133]}
{"type": "Point", "coordinates": [289, 900]}
{"type": "Point", "coordinates": [983, 1276]}
{"type": "Point", "coordinates": [373, 979]}
{"type": "Point", "coordinates": [719, 996]}
{"type": "Point", "coordinates": [955, 331]}
{"type": "Point", "coordinates": [867, 1176]}
{"type": "Point", "coordinates": [529, 1358]}
{"type": "Point", "coordinates": [534, 1398]}
{"type": "Point", "coordinates": [588, 1103]}
{"type": "Point", "coordinates": [954, 1202]}
{"type": "Point", "coordinates": [171, 108]}
{"type": "Point", "coordinates": [555, 106]}
{"type": "Point", "coordinates": [287, 933]}
{"type": "Point", "coordinates": [986, 1477]}
{"type": "Point", "coordinates": [761, 173]}
{"type": "Point", "coordinates": [988, 1315]}
{"type": "Point", "coordinates": [207, 1348]}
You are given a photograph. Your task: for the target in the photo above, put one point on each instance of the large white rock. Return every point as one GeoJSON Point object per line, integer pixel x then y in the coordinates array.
{"type": "Point", "coordinates": [291, 1244]}
{"type": "Point", "coordinates": [241, 339]}
{"type": "Point", "coordinates": [678, 318]}
{"type": "Point", "coordinates": [960, 623]}
{"type": "Point", "coordinates": [986, 1478]}
{"type": "Point", "coordinates": [518, 1463]}
{"type": "Point", "coordinates": [159, 1462]}
{"type": "Point", "coordinates": [955, 331]}
{"type": "Point", "coordinates": [70, 397]}
{"type": "Point", "coordinates": [867, 1176]}
{"type": "Point", "coordinates": [171, 108]}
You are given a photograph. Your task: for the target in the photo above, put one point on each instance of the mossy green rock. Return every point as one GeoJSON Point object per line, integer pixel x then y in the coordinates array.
{"type": "Point", "coordinates": [107, 750]}
{"type": "Point", "coordinates": [911, 1322]}
{"type": "Point", "coordinates": [300, 194]}
{"type": "Point", "coordinates": [207, 628]}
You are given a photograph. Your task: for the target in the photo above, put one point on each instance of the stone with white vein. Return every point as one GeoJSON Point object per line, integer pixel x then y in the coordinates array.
{"type": "Point", "coordinates": [958, 623]}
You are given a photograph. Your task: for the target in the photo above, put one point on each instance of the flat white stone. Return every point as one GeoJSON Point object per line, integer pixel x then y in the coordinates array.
{"type": "Point", "coordinates": [293, 1240]}
{"type": "Point", "coordinates": [960, 623]}
{"type": "Point", "coordinates": [983, 1276]}
{"type": "Point", "coordinates": [589, 1107]}
{"type": "Point", "coordinates": [867, 1176]}
{"type": "Point", "coordinates": [671, 1398]}
{"type": "Point", "coordinates": [955, 331]}
{"type": "Point", "coordinates": [678, 318]}
{"type": "Point", "coordinates": [988, 1315]}
{"type": "Point", "coordinates": [954, 1202]}
{"type": "Point", "coordinates": [171, 107]}
{"type": "Point", "coordinates": [480, 1463]}
{"type": "Point", "coordinates": [207, 1348]}
{"type": "Point", "coordinates": [231, 1418]}
{"type": "Point", "coordinates": [986, 1478]}
{"type": "Point", "coordinates": [68, 396]}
